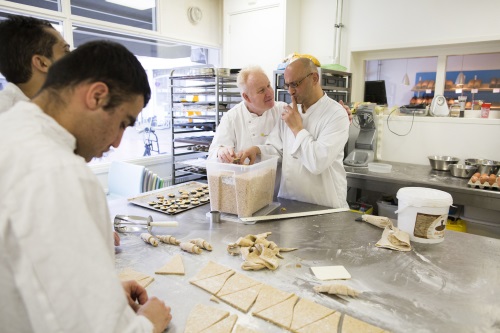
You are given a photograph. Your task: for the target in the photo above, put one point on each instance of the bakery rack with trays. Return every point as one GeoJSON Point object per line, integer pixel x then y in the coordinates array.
{"type": "Point", "coordinates": [174, 199]}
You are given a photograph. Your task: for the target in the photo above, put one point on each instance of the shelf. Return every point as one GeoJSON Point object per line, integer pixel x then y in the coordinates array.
{"type": "Point", "coordinates": [216, 93]}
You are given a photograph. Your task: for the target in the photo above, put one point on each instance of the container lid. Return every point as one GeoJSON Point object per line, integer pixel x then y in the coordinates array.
{"type": "Point", "coordinates": [424, 197]}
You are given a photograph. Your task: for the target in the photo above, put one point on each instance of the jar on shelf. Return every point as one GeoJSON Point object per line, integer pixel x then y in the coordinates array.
{"type": "Point", "coordinates": [455, 109]}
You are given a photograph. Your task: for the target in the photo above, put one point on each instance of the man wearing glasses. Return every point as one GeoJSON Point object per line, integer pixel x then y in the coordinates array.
{"type": "Point", "coordinates": [310, 139]}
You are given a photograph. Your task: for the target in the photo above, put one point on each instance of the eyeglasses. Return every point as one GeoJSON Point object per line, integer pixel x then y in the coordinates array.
{"type": "Point", "coordinates": [294, 85]}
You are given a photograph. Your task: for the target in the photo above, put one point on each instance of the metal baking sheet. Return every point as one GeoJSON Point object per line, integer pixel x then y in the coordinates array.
{"type": "Point", "coordinates": [192, 188]}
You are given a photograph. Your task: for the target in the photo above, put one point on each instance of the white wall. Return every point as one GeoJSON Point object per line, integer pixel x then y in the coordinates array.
{"type": "Point", "coordinates": [387, 24]}
{"type": "Point", "coordinates": [174, 22]}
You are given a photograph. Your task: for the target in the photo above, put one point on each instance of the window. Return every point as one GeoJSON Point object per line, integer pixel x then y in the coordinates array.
{"type": "Point", "coordinates": [157, 56]}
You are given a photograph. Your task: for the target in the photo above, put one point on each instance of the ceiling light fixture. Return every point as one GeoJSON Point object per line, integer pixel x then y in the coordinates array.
{"type": "Point", "coordinates": [406, 79]}
{"type": "Point", "coordinates": [460, 81]}
{"type": "Point", "coordinates": [135, 4]}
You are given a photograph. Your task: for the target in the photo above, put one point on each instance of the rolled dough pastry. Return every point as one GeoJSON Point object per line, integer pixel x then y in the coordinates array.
{"type": "Point", "coordinates": [202, 317]}
{"type": "Point", "coordinates": [174, 266]}
{"type": "Point", "coordinates": [200, 242]}
{"type": "Point", "coordinates": [191, 248]}
{"type": "Point", "coordinates": [141, 278]}
{"type": "Point", "coordinates": [150, 239]}
{"type": "Point", "coordinates": [168, 239]}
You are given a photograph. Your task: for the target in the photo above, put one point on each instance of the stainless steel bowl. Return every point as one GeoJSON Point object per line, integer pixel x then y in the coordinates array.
{"type": "Point", "coordinates": [462, 170]}
{"type": "Point", "coordinates": [442, 162]}
{"type": "Point", "coordinates": [484, 166]}
{"type": "Point", "coordinates": [489, 167]}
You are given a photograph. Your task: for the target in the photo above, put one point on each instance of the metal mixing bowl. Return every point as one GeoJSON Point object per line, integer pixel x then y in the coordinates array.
{"type": "Point", "coordinates": [442, 162]}
{"type": "Point", "coordinates": [462, 170]}
{"type": "Point", "coordinates": [484, 166]}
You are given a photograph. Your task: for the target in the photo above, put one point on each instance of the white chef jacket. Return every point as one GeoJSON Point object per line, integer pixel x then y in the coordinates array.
{"type": "Point", "coordinates": [312, 162]}
{"type": "Point", "coordinates": [57, 268]}
{"type": "Point", "coordinates": [10, 95]}
{"type": "Point", "coordinates": [241, 129]}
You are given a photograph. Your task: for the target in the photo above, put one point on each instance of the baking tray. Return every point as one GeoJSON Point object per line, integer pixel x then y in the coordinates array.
{"type": "Point", "coordinates": [191, 188]}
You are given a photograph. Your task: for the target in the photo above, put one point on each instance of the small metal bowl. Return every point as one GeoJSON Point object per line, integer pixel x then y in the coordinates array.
{"type": "Point", "coordinates": [442, 162]}
{"type": "Point", "coordinates": [484, 166]}
{"type": "Point", "coordinates": [462, 170]}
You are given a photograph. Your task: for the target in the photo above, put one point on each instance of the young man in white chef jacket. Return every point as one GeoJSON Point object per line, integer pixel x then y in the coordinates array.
{"type": "Point", "coordinates": [310, 139]}
{"type": "Point", "coordinates": [57, 268]}
{"type": "Point", "coordinates": [29, 47]}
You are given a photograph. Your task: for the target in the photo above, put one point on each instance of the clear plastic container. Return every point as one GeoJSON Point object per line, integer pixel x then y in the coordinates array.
{"type": "Point", "coordinates": [241, 189]}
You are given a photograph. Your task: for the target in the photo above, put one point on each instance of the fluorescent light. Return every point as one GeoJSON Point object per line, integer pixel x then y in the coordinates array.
{"type": "Point", "coordinates": [136, 4]}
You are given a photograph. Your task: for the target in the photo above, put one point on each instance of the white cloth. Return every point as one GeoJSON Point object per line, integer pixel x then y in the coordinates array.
{"type": "Point", "coordinates": [242, 129]}
{"type": "Point", "coordinates": [57, 268]}
{"type": "Point", "coordinates": [312, 162]}
{"type": "Point", "coordinates": [10, 95]}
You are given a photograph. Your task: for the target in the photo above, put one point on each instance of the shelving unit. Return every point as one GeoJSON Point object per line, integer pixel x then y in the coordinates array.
{"type": "Point", "coordinates": [199, 96]}
{"type": "Point", "coordinates": [336, 84]}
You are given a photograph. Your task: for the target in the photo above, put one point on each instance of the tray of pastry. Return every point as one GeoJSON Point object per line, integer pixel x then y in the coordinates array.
{"type": "Point", "coordinates": [486, 182]}
{"type": "Point", "coordinates": [174, 199]}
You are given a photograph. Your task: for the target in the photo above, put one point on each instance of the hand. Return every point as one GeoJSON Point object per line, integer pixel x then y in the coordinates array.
{"type": "Point", "coordinates": [136, 294]}
{"type": "Point", "coordinates": [251, 153]}
{"type": "Point", "coordinates": [292, 117]}
{"type": "Point", "coordinates": [117, 239]}
{"type": "Point", "coordinates": [226, 154]}
{"type": "Point", "coordinates": [349, 113]}
{"type": "Point", "coordinates": [157, 312]}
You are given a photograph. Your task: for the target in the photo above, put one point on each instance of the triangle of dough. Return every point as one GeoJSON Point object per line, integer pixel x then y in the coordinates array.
{"type": "Point", "coordinates": [174, 266]}
{"type": "Point", "coordinates": [243, 329]}
{"type": "Point", "coordinates": [224, 326]}
{"type": "Point", "coordinates": [269, 296]}
{"type": "Point", "coordinates": [235, 283]}
{"type": "Point", "coordinates": [280, 314]}
{"type": "Point", "coordinates": [328, 324]}
{"type": "Point", "coordinates": [353, 325]}
{"type": "Point", "coordinates": [307, 312]}
{"type": "Point", "coordinates": [243, 299]}
{"type": "Point", "coordinates": [129, 274]}
{"type": "Point", "coordinates": [211, 269]}
{"type": "Point", "coordinates": [203, 316]}
{"type": "Point", "coordinates": [213, 284]}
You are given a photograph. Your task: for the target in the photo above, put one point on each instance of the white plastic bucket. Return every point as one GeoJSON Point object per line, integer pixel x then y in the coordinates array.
{"type": "Point", "coordinates": [423, 212]}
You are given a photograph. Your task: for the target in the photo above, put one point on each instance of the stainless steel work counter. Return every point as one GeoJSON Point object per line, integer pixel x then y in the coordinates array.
{"type": "Point", "coordinates": [453, 286]}
{"type": "Point", "coordinates": [405, 175]}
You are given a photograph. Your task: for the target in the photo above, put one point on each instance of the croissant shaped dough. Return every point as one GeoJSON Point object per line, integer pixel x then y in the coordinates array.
{"type": "Point", "coordinates": [191, 248]}
{"type": "Point", "coordinates": [168, 239]}
{"type": "Point", "coordinates": [150, 239]}
{"type": "Point", "coordinates": [336, 289]}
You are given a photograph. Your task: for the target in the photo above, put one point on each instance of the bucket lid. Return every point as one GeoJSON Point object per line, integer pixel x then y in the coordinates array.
{"type": "Point", "coordinates": [424, 197]}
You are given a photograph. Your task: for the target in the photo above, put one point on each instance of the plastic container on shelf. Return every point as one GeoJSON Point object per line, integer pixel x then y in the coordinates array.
{"type": "Point", "coordinates": [241, 189]}
{"type": "Point", "coordinates": [485, 110]}
{"type": "Point", "coordinates": [386, 209]}
{"type": "Point", "coordinates": [423, 213]}
{"type": "Point", "coordinates": [482, 228]}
